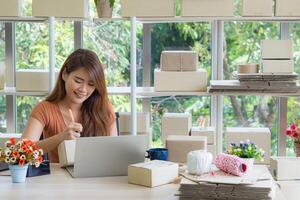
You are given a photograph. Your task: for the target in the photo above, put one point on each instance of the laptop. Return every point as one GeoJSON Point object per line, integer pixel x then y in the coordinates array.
{"type": "Point", "coordinates": [107, 156]}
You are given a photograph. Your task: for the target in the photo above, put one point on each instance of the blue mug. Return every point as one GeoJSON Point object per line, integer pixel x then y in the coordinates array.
{"type": "Point", "coordinates": [157, 154]}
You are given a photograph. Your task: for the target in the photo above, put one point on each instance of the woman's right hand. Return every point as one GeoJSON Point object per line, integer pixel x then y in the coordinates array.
{"type": "Point", "coordinates": [72, 131]}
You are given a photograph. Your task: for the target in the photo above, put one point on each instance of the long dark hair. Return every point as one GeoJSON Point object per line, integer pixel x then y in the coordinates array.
{"type": "Point", "coordinates": [96, 112]}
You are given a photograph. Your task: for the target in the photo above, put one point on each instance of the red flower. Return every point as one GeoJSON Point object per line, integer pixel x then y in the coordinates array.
{"type": "Point", "coordinates": [40, 159]}
{"type": "Point", "coordinates": [295, 135]}
{"type": "Point", "coordinates": [293, 126]}
{"type": "Point", "coordinates": [21, 162]}
{"type": "Point", "coordinates": [12, 141]}
{"type": "Point", "coordinates": [15, 154]}
{"type": "Point", "coordinates": [288, 132]}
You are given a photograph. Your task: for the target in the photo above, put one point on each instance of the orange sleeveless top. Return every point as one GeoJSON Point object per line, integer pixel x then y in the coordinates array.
{"type": "Point", "coordinates": [49, 114]}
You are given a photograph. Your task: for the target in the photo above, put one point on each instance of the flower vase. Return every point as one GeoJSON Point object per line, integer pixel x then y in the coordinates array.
{"type": "Point", "coordinates": [18, 173]}
{"type": "Point", "coordinates": [103, 9]}
{"type": "Point", "coordinates": [250, 163]}
{"type": "Point", "coordinates": [297, 148]}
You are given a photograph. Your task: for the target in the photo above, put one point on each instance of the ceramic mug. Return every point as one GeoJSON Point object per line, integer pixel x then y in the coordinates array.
{"type": "Point", "coordinates": [157, 154]}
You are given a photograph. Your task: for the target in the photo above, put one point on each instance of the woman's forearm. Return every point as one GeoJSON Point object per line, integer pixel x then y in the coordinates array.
{"type": "Point", "coordinates": [50, 143]}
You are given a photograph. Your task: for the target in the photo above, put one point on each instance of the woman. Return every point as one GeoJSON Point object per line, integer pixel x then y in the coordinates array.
{"type": "Point", "coordinates": [77, 107]}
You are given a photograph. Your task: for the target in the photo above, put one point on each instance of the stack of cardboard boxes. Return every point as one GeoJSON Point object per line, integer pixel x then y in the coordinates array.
{"type": "Point", "coordinates": [180, 137]}
{"type": "Point", "coordinates": [179, 72]}
{"type": "Point", "coordinates": [277, 57]}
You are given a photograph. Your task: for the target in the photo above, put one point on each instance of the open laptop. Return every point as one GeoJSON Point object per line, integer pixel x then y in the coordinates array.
{"type": "Point", "coordinates": [107, 156]}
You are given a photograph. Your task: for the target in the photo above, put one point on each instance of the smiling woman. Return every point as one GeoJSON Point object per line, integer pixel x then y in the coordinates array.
{"type": "Point", "coordinates": [81, 88]}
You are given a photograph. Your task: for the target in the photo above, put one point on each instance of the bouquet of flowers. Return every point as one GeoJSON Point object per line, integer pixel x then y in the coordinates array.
{"type": "Point", "coordinates": [293, 131]}
{"type": "Point", "coordinates": [246, 150]}
{"type": "Point", "coordinates": [21, 153]}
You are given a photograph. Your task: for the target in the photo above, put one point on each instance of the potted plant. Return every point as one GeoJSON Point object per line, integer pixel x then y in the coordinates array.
{"type": "Point", "coordinates": [104, 8]}
{"type": "Point", "coordinates": [248, 151]}
{"type": "Point", "coordinates": [18, 155]}
{"type": "Point", "coordinates": [293, 131]}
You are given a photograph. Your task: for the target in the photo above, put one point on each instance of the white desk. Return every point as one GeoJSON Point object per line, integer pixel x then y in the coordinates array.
{"type": "Point", "coordinates": [60, 185]}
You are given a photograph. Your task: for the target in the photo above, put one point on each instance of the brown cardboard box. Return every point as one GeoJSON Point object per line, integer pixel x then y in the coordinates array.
{"type": "Point", "coordinates": [11, 8]}
{"type": "Point", "coordinates": [285, 168]}
{"type": "Point", "coordinates": [287, 8]}
{"type": "Point", "coordinates": [179, 146]}
{"type": "Point", "coordinates": [32, 80]}
{"type": "Point", "coordinates": [208, 132]}
{"type": "Point", "coordinates": [184, 81]}
{"type": "Point", "coordinates": [278, 66]}
{"type": "Point", "coordinates": [66, 152]}
{"type": "Point", "coordinates": [152, 173]}
{"type": "Point", "coordinates": [248, 68]}
{"type": "Point", "coordinates": [190, 8]}
{"type": "Point", "coordinates": [260, 136]}
{"type": "Point", "coordinates": [276, 49]}
{"type": "Point", "coordinates": [60, 8]}
{"type": "Point", "coordinates": [143, 122]}
{"type": "Point", "coordinates": [146, 8]}
{"type": "Point", "coordinates": [175, 124]}
{"type": "Point", "coordinates": [260, 8]}
{"type": "Point", "coordinates": [179, 61]}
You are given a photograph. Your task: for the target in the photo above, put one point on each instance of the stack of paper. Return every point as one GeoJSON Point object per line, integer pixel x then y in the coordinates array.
{"type": "Point", "coordinates": [257, 185]}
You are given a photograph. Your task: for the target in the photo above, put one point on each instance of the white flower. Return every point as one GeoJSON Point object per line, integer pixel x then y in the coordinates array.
{"type": "Point", "coordinates": [6, 160]}
{"type": "Point", "coordinates": [13, 159]}
{"type": "Point", "coordinates": [19, 143]}
{"type": "Point", "coordinates": [7, 152]}
{"type": "Point", "coordinates": [37, 164]}
{"type": "Point", "coordinates": [22, 157]}
{"type": "Point", "coordinates": [41, 151]}
{"type": "Point", "coordinates": [35, 154]}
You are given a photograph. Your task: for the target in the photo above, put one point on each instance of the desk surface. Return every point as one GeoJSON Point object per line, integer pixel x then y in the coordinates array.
{"type": "Point", "coordinates": [60, 185]}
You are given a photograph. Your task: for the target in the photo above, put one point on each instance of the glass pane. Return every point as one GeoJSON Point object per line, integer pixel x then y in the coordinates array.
{"type": "Point", "coordinates": [245, 49]}
{"type": "Point", "coordinates": [294, 103]}
{"type": "Point", "coordinates": [32, 50]}
{"type": "Point", "coordinates": [3, 114]}
{"type": "Point", "coordinates": [199, 107]}
{"type": "Point", "coordinates": [248, 111]}
{"type": "Point", "coordinates": [25, 104]}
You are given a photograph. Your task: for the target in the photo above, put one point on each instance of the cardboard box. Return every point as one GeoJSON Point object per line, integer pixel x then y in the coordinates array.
{"type": "Point", "coordinates": [146, 8]}
{"type": "Point", "coordinates": [32, 80]}
{"type": "Point", "coordinates": [66, 152]}
{"type": "Point", "coordinates": [191, 8]}
{"type": "Point", "coordinates": [285, 168]}
{"type": "Point", "coordinates": [60, 8]}
{"type": "Point", "coordinates": [278, 66]}
{"type": "Point", "coordinates": [175, 124]}
{"type": "Point", "coordinates": [2, 75]}
{"type": "Point", "coordinates": [179, 61]}
{"type": "Point", "coordinates": [179, 146]}
{"type": "Point", "coordinates": [208, 132]}
{"type": "Point", "coordinates": [152, 173]}
{"type": "Point", "coordinates": [248, 68]}
{"type": "Point", "coordinates": [287, 8]}
{"type": "Point", "coordinates": [188, 81]}
{"type": "Point", "coordinates": [260, 8]}
{"type": "Point", "coordinates": [11, 8]}
{"type": "Point", "coordinates": [276, 49]}
{"type": "Point", "coordinates": [5, 137]}
{"type": "Point", "coordinates": [143, 122]}
{"type": "Point", "coordinates": [260, 136]}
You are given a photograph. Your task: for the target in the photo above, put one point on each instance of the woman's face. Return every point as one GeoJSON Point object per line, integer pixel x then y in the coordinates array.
{"type": "Point", "coordinates": [79, 85]}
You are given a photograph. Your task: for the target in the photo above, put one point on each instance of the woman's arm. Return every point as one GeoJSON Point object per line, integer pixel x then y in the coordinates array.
{"type": "Point", "coordinates": [34, 129]}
